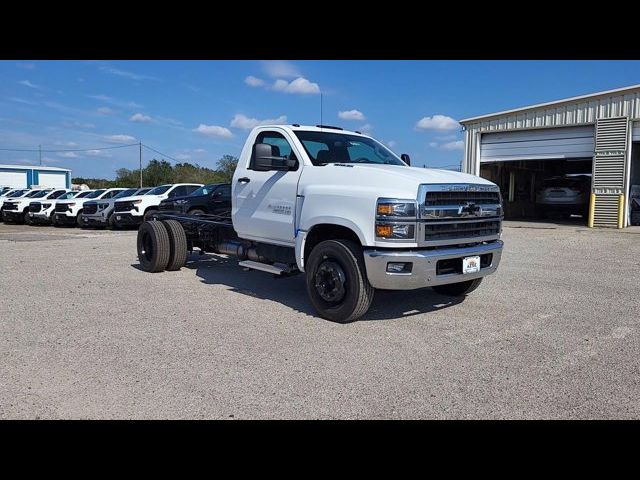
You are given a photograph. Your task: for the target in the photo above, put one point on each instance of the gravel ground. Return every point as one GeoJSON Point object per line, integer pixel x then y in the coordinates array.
{"type": "Point", "coordinates": [84, 333]}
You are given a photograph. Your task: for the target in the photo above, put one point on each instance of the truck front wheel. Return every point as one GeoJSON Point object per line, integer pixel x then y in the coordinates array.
{"type": "Point", "coordinates": [458, 289]}
{"type": "Point", "coordinates": [337, 283]}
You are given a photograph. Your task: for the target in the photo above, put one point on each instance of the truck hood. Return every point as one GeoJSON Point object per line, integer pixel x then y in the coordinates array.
{"type": "Point", "coordinates": [413, 174]}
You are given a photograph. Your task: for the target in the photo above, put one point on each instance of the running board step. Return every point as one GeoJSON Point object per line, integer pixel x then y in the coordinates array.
{"type": "Point", "coordinates": [264, 267]}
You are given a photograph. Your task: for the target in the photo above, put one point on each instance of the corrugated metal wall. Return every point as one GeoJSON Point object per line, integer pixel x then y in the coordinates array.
{"type": "Point", "coordinates": [579, 112]}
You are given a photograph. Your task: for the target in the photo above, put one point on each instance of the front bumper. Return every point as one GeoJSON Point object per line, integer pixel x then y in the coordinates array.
{"type": "Point", "coordinates": [424, 271]}
{"type": "Point", "coordinates": [64, 219]}
{"type": "Point", "coordinates": [125, 219]}
{"type": "Point", "coordinates": [97, 220]}
{"type": "Point", "coordinates": [12, 216]}
{"type": "Point", "coordinates": [40, 218]}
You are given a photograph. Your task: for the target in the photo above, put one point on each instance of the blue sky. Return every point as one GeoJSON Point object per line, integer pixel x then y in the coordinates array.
{"type": "Point", "coordinates": [197, 111]}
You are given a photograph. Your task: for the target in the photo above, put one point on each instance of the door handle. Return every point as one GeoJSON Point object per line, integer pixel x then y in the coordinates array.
{"type": "Point", "coordinates": [244, 180]}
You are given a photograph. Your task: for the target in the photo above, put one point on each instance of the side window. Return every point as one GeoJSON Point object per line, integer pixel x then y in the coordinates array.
{"type": "Point", "coordinates": [178, 192]}
{"type": "Point", "coordinates": [191, 188]}
{"type": "Point", "coordinates": [223, 192]}
{"type": "Point", "coordinates": [110, 194]}
{"type": "Point", "coordinates": [57, 194]}
{"type": "Point", "coordinates": [277, 140]}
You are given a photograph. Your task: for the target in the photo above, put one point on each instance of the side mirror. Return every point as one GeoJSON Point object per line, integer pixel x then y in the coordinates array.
{"type": "Point", "coordinates": [266, 158]}
{"type": "Point", "coordinates": [406, 159]}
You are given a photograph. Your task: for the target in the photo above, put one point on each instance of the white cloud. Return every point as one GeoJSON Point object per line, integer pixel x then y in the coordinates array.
{"type": "Point", "coordinates": [438, 122]}
{"type": "Point", "coordinates": [246, 123]}
{"type": "Point", "coordinates": [105, 111]}
{"type": "Point", "coordinates": [97, 153]}
{"type": "Point", "coordinates": [106, 68]}
{"type": "Point", "coordinates": [351, 115]}
{"type": "Point", "coordinates": [254, 81]}
{"type": "Point", "coordinates": [433, 144]}
{"type": "Point", "coordinates": [114, 101]}
{"type": "Point", "coordinates": [200, 150]}
{"type": "Point", "coordinates": [27, 83]}
{"type": "Point", "coordinates": [68, 155]}
{"type": "Point", "coordinates": [27, 66]}
{"type": "Point", "coordinates": [140, 118]}
{"type": "Point", "coordinates": [447, 138]}
{"type": "Point", "coordinates": [22, 100]}
{"type": "Point", "coordinates": [300, 86]}
{"type": "Point", "coordinates": [182, 156]}
{"type": "Point", "coordinates": [457, 145]}
{"type": "Point", "coordinates": [366, 128]}
{"type": "Point", "coordinates": [280, 68]}
{"type": "Point", "coordinates": [121, 138]}
{"type": "Point", "coordinates": [391, 143]}
{"type": "Point", "coordinates": [213, 131]}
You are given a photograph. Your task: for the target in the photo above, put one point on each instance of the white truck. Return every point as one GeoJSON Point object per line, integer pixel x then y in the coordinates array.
{"type": "Point", "coordinates": [99, 213]}
{"type": "Point", "coordinates": [347, 212]}
{"type": "Point", "coordinates": [69, 212]}
{"type": "Point", "coordinates": [138, 208]}
{"type": "Point", "coordinates": [42, 212]}
{"type": "Point", "coordinates": [17, 209]}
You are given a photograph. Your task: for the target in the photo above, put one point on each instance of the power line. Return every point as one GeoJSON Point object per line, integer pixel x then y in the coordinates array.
{"type": "Point", "coordinates": [66, 149]}
{"type": "Point", "coordinates": [160, 153]}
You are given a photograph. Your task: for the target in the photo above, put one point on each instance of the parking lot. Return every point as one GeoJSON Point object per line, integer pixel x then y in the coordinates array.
{"type": "Point", "coordinates": [86, 334]}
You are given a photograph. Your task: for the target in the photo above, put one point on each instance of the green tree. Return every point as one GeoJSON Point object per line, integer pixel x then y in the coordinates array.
{"type": "Point", "coordinates": [226, 166]}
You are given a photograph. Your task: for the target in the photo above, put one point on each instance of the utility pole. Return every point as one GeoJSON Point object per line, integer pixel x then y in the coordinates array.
{"type": "Point", "coordinates": [40, 154]}
{"type": "Point", "coordinates": [140, 145]}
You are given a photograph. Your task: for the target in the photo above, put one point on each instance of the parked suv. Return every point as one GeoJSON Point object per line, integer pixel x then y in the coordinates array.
{"type": "Point", "coordinates": [69, 212]}
{"type": "Point", "coordinates": [212, 199]}
{"type": "Point", "coordinates": [564, 195]}
{"type": "Point", "coordinates": [134, 210]}
{"type": "Point", "coordinates": [42, 212]}
{"type": "Point", "coordinates": [17, 193]}
{"type": "Point", "coordinates": [100, 212]}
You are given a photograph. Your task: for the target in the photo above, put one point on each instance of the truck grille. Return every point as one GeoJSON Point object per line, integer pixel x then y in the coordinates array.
{"type": "Point", "coordinates": [434, 199]}
{"type": "Point", "coordinates": [461, 213]}
{"type": "Point", "coordinates": [35, 207]}
{"type": "Point", "coordinates": [89, 208]}
{"type": "Point", "coordinates": [457, 230]}
{"type": "Point", "coordinates": [10, 206]}
{"type": "Point", "coordinates": [62, 207]}
{"type": "Point", "coordinates": [124, 206]}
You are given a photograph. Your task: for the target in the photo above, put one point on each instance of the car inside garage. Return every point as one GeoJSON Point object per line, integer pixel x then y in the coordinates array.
{"type": "Point", "coordinates": [542, 173]}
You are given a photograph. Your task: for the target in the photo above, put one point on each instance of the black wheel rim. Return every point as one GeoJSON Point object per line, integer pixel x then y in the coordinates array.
{"type": "Point", "coordinates": [330, 281]}
{"type": "Point", "coordinates": [147, 246]}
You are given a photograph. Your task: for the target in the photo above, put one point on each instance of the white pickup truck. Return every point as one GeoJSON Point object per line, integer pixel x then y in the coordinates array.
{"type": "Point", "coordinates": [138, 208]}
{"type": "Point", "coordinates": [347, 212]}
{"type": "Point", "coordinates": [69, 212]}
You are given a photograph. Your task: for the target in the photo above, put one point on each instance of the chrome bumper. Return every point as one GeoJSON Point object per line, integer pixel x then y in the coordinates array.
{"type": "Point", "coordinates": [423, 273]}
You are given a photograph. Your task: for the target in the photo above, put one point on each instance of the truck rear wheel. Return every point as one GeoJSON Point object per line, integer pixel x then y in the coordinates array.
{"type": "Point", "coordinates": [458, 289]}
{"type": "Point", "coordinates": [153, 246]}
{"type": "Point", "coordinates": [177, 245]}
{"type": "Point", "coordinates": [337, 283]}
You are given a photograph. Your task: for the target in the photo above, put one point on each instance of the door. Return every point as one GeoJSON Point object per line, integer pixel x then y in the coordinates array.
{"type": "Point", "coordinates": [220, 200]}
{"type": "Point", "coordinates": [264, 202]}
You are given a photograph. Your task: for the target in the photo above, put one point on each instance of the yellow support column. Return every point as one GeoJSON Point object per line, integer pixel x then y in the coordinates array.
{"type": "Point", "coordinates": [621, 212]}
{"type": "Point", "coordinates": [592, 208]}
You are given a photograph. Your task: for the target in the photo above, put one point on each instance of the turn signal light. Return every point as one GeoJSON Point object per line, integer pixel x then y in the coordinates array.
{"type": "Point", "coordinates": [384, 231]}
{"type": "Point", "coordinates": [385, 209]}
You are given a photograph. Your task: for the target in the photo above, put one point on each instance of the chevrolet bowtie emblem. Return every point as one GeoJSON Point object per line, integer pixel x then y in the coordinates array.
{"type": "Point", "coordinates": [470, 210]}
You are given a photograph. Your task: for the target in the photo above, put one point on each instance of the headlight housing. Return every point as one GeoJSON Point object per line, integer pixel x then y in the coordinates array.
{"type": "Point", "coordinates": [395, 219]}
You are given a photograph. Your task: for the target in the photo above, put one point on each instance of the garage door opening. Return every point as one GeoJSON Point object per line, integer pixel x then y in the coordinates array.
{"type": "Point", "coordinates": [544, 190]}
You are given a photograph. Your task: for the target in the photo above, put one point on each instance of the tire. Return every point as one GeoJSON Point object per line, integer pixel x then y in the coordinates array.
{"type": "Point", "coordinates": [112, 222]}
{"type": "Point", "coordinates": [79, 219]}
{"type": "Point", "coordinates": [196, 211]}
{"type": "Point", "coordinates": [177, 245]}
{"type": "Point", "coordinates": [351, 297]}
{"type": "Point", "coordinates": [25, 217]}
{"type": "Point", "coordinates": [52, 218]}
{"type": "Point", "coordinates": [458, 289]}
{"type": "Point", "coordinates": [153, 246]}
{"type": "Point", "coordinates": [148, 213]}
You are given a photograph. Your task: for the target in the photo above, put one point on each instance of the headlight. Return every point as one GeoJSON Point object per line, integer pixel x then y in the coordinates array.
{"type": "Point", "coordinates": [70, 204]}
{"type": "Point", "coordinates": [390, 216]}
{"type": "Point", "coordinates": [391, 207]}
{"type": "Point", "coordinates": [136, 202]}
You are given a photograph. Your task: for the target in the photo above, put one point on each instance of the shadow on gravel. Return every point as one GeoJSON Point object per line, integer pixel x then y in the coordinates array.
{"type": "Point", "coordinates": [291, 291]}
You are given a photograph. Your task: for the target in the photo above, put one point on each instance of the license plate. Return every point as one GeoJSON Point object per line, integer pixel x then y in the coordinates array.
{"type": "Point", "coordinates": [118, 217]}
{"type": "Point", "coordinates": [470, 265]}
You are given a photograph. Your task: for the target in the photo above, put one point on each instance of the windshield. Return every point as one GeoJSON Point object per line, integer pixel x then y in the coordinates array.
{"type": "Point", "coordinates": [143, 191]}
{"type": "Point", "coordinates": [66, 196]}
{"type": "Point", "coordinates": [330, 147]}
{"type": "Point", "coordinates": [83, 194]}
{"type": "Point", "coordinates": [125, 193]}
{"type": "Point", "coordinates": [39, 193]}
{"type": "Point", "coordinates": [96, 193]}
{"type": "Point", "coordinates": [205, 190]}
{"type": "Point", "coordinates": [17, 193]}
{"type": "Point", "coordinates": [159, 190]}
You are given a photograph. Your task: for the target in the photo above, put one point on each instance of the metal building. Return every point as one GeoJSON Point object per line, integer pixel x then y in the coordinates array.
{"type": "Point", "coordinates": [25, 176]}
{"type": "Point", "coordinates": [597, 133]}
